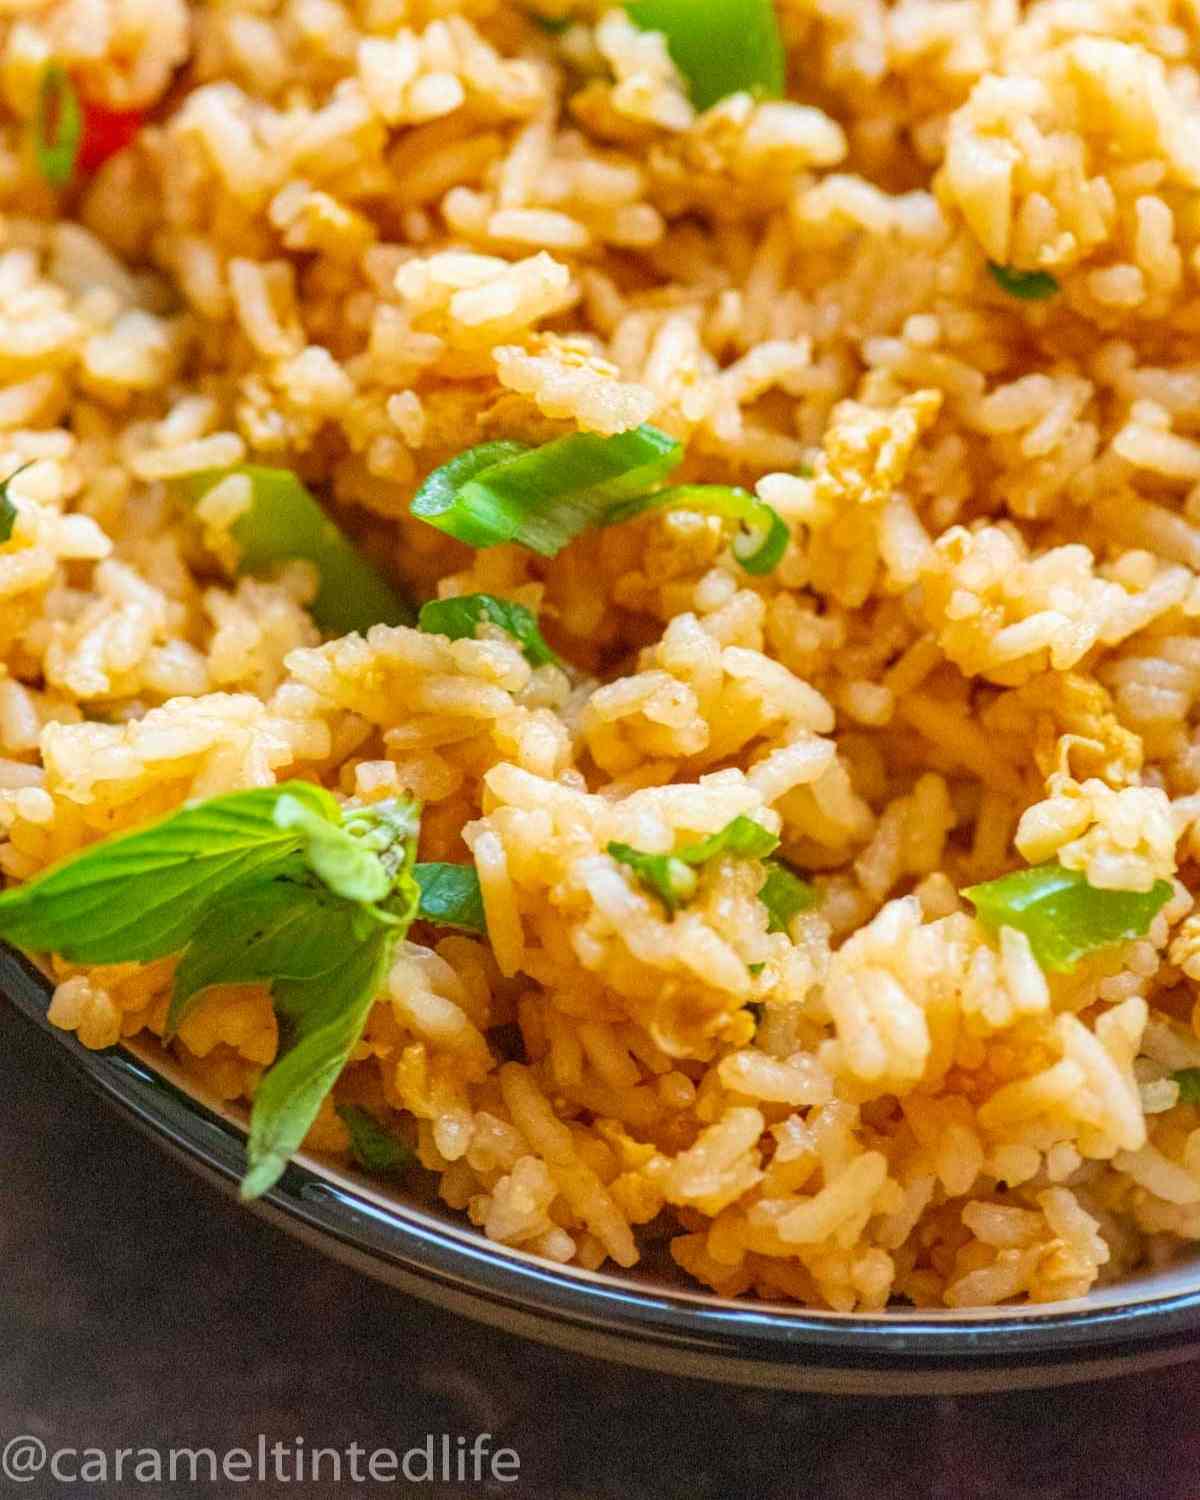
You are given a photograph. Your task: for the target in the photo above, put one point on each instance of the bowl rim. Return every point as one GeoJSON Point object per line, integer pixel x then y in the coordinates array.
{"type": "Point", "coordinates": [426, 1254]}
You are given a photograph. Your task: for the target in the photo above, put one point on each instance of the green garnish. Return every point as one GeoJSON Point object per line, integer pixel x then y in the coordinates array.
{"type": "Point", "coordinates": [784, 894]}
{"type": "Point", "coordinates": [285, 929]}
{"type": "Point", "coordinates": [437, 500]}
{"type": "Point", "coordinates": [720, 46]}
{"type": "Point", "coordinates": [346, 865]}
{"type": "Point", "coordinates": [373, 1148]}
{"type": "Point", "coordinates": [672, 877]}
{"type": "Point", "coordinates": [450, 896]}
{"type": "Point", "coordinates": [1029, 286]}
{"type": "Point", "coordinates": [1188, 1080]}
{"type": "Point", "coordinates": [141, 895]}
{"type": "Point", "coordinates": [285, 522]}
{"type": "Point", "coordinates": [555, 25]}
{"type": "Point", "coordinates": [322, 1019]}
{"type": "Point", "coordinates": [275, 885]}
{"type": "Point", "coordinates": [762, 538]}
{"type": "Point", "coordinates": [1064, 917]}
{"type": "Point", "coordinates": [460, 618]}
{"type": "Point", "coordinates": [8, 511]}
{"type": "Point", "coordinates": [58, 126]}
{"type": "Point", "coordinates": [543, 497]}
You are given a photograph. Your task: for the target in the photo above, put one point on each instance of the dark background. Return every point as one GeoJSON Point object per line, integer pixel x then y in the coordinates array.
{"type": "Point", "coordinates": [138, 1307]}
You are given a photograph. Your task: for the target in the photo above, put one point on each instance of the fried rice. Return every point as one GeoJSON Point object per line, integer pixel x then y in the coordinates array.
{"type": "Point", "coordinates": [354, 237]}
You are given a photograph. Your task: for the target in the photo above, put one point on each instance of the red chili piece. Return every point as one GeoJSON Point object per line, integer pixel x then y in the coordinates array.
{"type": "Point", "coordinates": [105, 132]}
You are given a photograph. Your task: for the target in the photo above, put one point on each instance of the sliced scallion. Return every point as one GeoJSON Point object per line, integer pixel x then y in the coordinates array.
{"type": "Point", "coordinates": [720, 46]}
{"type": "Point", "coordinates": [784, 894]}
{"type": "Point", "coordinates": [460, 618]}
{"type": "Point", "coordinates": [58, 126]}
{"type": "Point", "coordinates": [374, 1148]}
{"type": "Point", "coordinates": [672, 877]}
{"type": "Point", "coordinates": [1029, 286]}
{"type": "Point", "coordinates": [1063, 916]}
{"type": "Point", "coordinates": [283, 523]}
{"type": "Point", "coordinates": [762, 537]}
{"type": "Point", "coordinates": [1188, 1080]}
{"type": "Point", "coordinates": [437, 501]}
{"type": "Point", "coordinates": [543, 497]}
{"type": "Point", "coordinates": [8, 511]}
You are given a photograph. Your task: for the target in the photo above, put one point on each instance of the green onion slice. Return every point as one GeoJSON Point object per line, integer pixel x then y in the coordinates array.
{"type": "Point", "coordinates": [720, 46]}
{"type": "Point", "coordinates": [285, 522]}
{"type": "Point", "coordinates": [543, 497]}
{"type": "Point", "coordinates": [784, 894]}
{"type": "Point", "coordinates": [460, 618]}
{"type": "Point", "coordinates": [672, 877]}
{"type": "Point", "coordinates": [373, 1148]}
{"type": "Point", "coordinates": [1188, 1080]}
{"type": "Point", "coordinates": [8, 511]}
{"type": "Point", "coordinates": [1064, 917]}
{"type": "Point", "coordinates": [762, 537]}
{"type": "Point", "coordinates": [58, 126]}
{"type": "Point", "coordinates": [1029, 286]}
{"type": "Point", "coordinates": [437, 501]}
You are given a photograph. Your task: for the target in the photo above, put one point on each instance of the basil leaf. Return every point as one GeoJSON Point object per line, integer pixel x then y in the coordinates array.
{"type": "Point", "coordinates": [142, 895]}
{"type": "Point", "coordinates": [284, 929]}
{"type": "Point", "coordinates": [343, 862]}
{"type": "Point", "coordinates": [784, 894]}
{"type": "Point", "coordinates": [672, 877]}
{"type": "Point", "coordinates": [323, 1019]}
{"type": "Point", "coordinates": [1063, 917]}
{"type": "Point", "coordinates": [373, 1148]}
{"type": "Point", "coordinates": [450, 896]}
{"type": "Point", "coordinates": [460, 618]}
{"type": "Point", "coordinates": [1188, 1080]}
{"type": "Point", "coordinates": [1029, 286]}
{"type": "Point", "coordinates": [8, 511]}
{"type": "Point", "coordinates": [389, 830]}
{"type": "Point", "coordinates": [58, 127]}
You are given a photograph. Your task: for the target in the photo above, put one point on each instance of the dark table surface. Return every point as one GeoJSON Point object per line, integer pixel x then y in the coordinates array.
{"type": "Point", "coordinates": [140, 1309]}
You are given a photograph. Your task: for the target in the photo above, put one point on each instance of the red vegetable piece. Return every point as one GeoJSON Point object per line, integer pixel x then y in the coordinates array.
{"type": "Point", "coordinates": [105, 132]}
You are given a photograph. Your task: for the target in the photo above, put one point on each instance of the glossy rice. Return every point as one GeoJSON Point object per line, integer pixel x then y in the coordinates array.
{"type": "Point", "coordinates": [354, 237]}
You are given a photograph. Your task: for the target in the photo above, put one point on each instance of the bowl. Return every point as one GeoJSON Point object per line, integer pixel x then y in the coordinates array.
{"type": "Point", "coordinates": [1145, 1321]}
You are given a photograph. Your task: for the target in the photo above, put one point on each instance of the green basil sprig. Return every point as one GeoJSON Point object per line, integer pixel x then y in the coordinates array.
{"type": "Point", "coordinates": [275, 885]}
